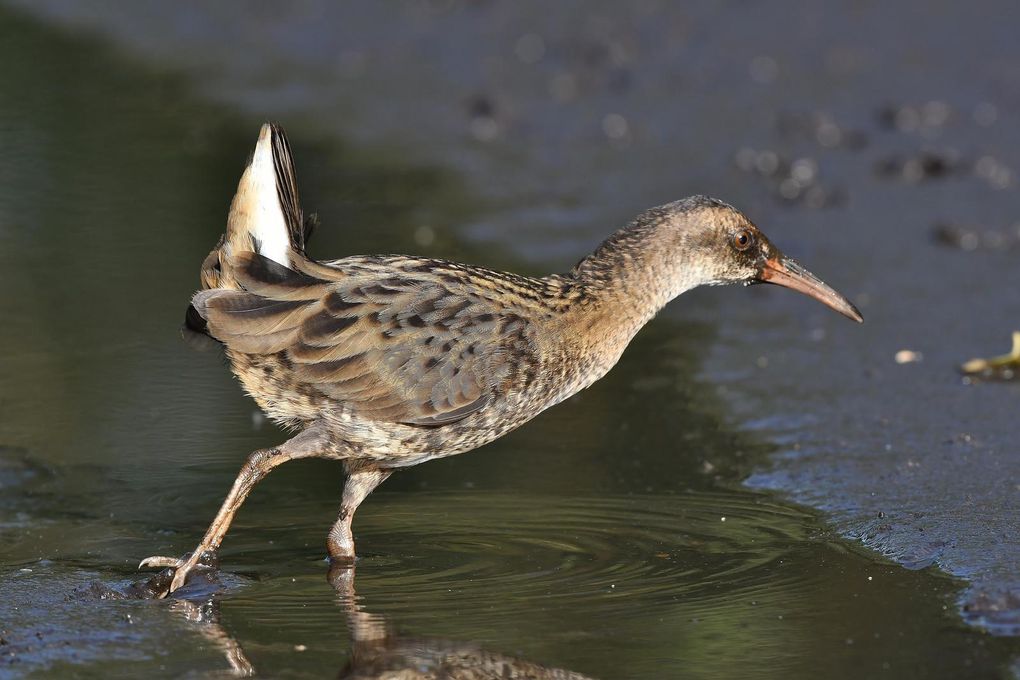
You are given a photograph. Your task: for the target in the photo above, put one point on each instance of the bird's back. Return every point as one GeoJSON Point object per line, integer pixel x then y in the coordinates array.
{"type": "Point", "coordinates": [403, 356]}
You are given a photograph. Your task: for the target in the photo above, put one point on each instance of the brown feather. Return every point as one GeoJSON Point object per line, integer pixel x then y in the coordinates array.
{"type": "Point", "coordinates": [385, 340]}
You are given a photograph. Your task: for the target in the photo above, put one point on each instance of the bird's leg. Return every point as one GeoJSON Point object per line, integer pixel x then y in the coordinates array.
{"type": "Point", "coordinates": [306, 444]}
{"type": "Point", "coordinates": [362, 478]}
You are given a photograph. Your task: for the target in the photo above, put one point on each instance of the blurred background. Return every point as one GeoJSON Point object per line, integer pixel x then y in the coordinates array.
{"type": "Point", "coordinates": [759, 489]}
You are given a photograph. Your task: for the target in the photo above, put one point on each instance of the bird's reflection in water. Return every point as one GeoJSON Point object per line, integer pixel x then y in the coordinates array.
{"type": "Point", "coordinates": [377, 652]}
{"type": "Point", "coordinates": [207, 616]}
{"type": "Point", "coordinates": [200, 606]}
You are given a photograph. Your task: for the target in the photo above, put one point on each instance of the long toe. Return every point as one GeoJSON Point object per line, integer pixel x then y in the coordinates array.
{"type": "Point", "coordinates": [160, 562]}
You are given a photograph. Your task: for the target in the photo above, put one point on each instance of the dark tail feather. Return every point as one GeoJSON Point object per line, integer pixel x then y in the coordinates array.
{"type": "Point", "coordinates": [194, 321]}
{"type": "Point", "coordinates": [195, 332]}
{"type": "Point", "coordinates": [286, 187]}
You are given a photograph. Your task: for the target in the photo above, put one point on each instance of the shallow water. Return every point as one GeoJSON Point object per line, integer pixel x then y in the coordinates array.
{"type": "Point", "coordinates": [692, 583]}
{"type": "Point", "coordinates": [610, 537]}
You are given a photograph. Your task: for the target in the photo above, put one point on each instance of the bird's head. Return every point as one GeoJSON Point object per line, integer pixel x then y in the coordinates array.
{"type": "Point", "coordinates": [722, 246]}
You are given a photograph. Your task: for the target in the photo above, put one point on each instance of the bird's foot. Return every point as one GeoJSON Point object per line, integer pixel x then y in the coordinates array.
{"type": "Point", "coordinates": [200, 560]}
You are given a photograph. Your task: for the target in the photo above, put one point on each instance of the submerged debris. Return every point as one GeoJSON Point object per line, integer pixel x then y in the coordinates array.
{"type": "Point", "coordinates": [822, 129]}
{"type": "Point", "coordinates": [791, 180]}
{"type": "Point", "coordinates": [996, 611]}
{"type": "Point", "coordinates": [974, 237]}
{"type": "Point", "coordinates": [927, 118]}
{"type": "Point", "coordinates": [1005, 367]}
{"type": "Point", "coordinates": [484, 123]}
{"type": "Point", "coordinates": [927, 164]}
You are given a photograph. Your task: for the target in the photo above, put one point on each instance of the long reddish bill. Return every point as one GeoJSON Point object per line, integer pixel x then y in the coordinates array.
{"type": "Point", "coordinates": [783, 271]}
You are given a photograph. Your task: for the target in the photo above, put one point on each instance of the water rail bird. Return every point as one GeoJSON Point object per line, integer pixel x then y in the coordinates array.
{"type": "Point", "coordinates": [382, 362]}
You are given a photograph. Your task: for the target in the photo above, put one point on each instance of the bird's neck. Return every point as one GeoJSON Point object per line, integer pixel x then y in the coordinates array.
{"type": "Point", "coordinates": [631, 276]}
{"type": "Point", "coordinates": [622, 285]}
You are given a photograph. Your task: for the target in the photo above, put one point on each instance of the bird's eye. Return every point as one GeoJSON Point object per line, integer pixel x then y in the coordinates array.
{"type": "Point", "coordinates": [743, 240]}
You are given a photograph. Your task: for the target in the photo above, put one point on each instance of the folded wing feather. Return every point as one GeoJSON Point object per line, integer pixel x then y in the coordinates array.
{"type": "Point", "coordinates": [394, 348]}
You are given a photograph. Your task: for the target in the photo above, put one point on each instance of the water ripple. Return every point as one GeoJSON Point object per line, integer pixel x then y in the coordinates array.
{"type": "Point", "coordinates": [458, 551]}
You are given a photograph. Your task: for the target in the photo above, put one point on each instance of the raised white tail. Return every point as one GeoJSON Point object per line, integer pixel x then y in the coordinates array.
{"type": "Point", "coordinates": [265, 216]}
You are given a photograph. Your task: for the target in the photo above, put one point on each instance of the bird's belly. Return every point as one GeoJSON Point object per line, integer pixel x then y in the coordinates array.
{"type": "Point", "coordinates": [400, 445]}
{"type": "Point", "coordinates": [294, 404]}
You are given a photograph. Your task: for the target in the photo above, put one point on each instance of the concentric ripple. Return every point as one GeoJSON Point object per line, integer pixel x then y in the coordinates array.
{"type": "Point", "coordinates": [555, 549]}
{"type": "Point", "coordinates": [608, 556]}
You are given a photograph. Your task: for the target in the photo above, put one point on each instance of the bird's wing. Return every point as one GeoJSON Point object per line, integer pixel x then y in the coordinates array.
{"type": "Point", "coordinates": [390, 346]}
